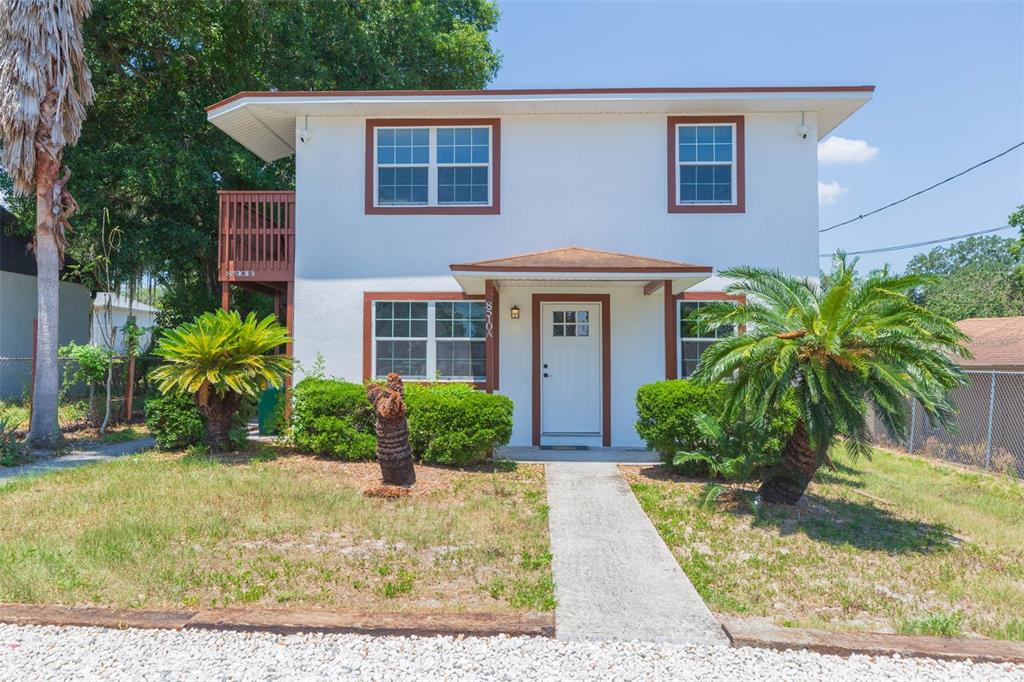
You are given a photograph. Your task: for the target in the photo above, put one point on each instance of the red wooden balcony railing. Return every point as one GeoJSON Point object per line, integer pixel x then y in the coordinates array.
{"type": "Point", "coordinates": [257, 236]}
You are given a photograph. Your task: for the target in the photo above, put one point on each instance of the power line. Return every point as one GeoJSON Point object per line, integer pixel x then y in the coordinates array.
{"type": "Point", "coordinates": [918, 193]}
{"type": "Point", "coordinates": [910, 246]}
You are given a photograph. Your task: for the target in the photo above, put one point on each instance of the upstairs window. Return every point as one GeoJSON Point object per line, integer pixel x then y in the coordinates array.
{"type": "Point", "coordinates": [430, 167]}
{"type": "Point", "coordinates": [706, 164]}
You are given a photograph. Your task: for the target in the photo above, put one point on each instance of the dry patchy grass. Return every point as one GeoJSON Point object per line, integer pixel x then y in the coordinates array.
{"type": "Point", "coordinates": [892, 544]}
{"type": "Point", "coordinates": [274, 528]}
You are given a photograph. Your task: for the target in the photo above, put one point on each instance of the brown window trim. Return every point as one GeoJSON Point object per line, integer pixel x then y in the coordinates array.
{"type": "Point", "coordinates": [493, 209]}
{"type": "Point", "coordinates": [368, 299]}
{"type": "Point", "coordinates": [740, 205]}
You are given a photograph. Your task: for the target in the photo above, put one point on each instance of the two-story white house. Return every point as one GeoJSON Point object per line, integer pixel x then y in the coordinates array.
{"type": "Point", "coordinates": [544, 244]}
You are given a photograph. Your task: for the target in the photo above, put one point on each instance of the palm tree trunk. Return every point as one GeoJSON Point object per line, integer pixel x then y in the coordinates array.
{"type": "Point", "coordinates": [219, 413]}
{"type": "Point", "coordinates": [393, 452]}
{"type": "Point", "coordinates": [44, 429]}
{"type": "Point", "coordinates": [800, 461]}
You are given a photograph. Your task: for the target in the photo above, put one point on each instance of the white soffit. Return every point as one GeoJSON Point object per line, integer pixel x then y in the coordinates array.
{"type": "Point", "coordinates": [265, 122]}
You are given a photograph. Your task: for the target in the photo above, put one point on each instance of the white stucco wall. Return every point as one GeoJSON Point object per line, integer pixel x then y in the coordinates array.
{"type": "Point", "coordinates": [18, 310]}
{"type": "Point", "coordinates": [100, 332]}
{"type": "Point", "coordinates": [594, 181]}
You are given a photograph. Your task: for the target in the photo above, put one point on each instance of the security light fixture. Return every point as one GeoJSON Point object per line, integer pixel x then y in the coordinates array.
{"type": "Point", "coordinates": [515, 312]}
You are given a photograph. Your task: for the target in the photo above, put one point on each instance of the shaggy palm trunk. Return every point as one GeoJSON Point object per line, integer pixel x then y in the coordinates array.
{"type": "Point", "coordinates": [800, 462]}
{"type": "Point", "coordinates": [44, 429]}
{"type": "Point", "coordinates": [393, 452]}
{"type": "Point", "coordinates": [219, 412]}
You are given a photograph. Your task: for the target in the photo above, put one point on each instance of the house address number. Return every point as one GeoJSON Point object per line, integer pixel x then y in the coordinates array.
{"type": "Point", "coordinates": [241, 273]}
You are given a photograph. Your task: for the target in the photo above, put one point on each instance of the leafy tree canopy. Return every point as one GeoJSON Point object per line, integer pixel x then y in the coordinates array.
{"type": "Point", "coordinates": [147, 152]}
{"type": "Point", "coordinates": [975, 278]}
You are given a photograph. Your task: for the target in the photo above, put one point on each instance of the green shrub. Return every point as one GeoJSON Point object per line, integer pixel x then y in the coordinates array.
{"type": "Point", "coordinates": [668, 414]}
{"type": "Point", "coordinates": [331, 417]}
{"type": "Point", "coordinates": [456, 425]}
{"type": "Point", "coordinates": [448, 423]}
{"type": "Point", "coordinates": [175, 421]}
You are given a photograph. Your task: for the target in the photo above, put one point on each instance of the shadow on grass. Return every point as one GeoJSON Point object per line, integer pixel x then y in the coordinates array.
{"type": "Point", "coordinates": [860, 525]}
{"type": "Point", "coordinates": [855, 524]}
{"type": "Point", "coordinates": [843, 474]}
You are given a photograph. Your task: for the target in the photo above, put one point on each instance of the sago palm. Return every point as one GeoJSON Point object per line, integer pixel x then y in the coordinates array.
{"type": "Point", "coordinates": [219, 359]}
{"type": "Point", "coordinates": [841, 347]}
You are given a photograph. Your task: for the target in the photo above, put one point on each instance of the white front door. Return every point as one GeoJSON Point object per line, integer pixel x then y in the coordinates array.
{"type": "Point", "coordinates": [570, 373]}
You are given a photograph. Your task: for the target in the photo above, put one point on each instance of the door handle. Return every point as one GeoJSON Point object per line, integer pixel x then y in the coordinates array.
{"type": "Point", "coordinates": [546, 375]}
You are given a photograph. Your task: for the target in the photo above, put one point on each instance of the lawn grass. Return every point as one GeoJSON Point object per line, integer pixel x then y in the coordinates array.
{"type": "Point", "coordinates": [894, 544]}
{"type": "Point", "coordinates": [276, 529]}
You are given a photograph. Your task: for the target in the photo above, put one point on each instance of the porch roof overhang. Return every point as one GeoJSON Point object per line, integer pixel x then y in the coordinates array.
{"type": "Point", "coordinates": [578, 265]}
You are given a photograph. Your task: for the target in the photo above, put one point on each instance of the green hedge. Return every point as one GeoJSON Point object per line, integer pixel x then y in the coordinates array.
{"type": "Point", "coordinates": [666, 412]}
{"type": "Point", "coordinates": [175, 421]}
{"type": "Point", "coordinates": [333, 418]}
{"type": "Point", "coordinates": [455, 424]}
{"type": "Point", "coordinates": [448, 423]}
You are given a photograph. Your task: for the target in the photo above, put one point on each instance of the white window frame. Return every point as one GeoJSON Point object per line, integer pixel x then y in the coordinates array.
{"type": "Point", "coordinates": [433, 165]}
{"type": "Point", "coordinates": [680, 339]}
{"type": "Point", "coordinates": [431, 340]}
{"type": "Point", "coordinates": [734, 200]}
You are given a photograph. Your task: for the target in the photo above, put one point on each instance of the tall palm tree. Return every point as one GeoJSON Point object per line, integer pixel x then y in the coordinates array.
{"type": "Point", "coordinates": [45, 86]}
{"type": "Point", "coordinates": [840, 347]}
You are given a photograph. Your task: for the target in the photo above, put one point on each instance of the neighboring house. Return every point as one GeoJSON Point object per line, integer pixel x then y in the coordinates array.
{"type": "Point", "coordinates": [145, 317]}
{"type": "Point", "coordinates": [997, 343]}
{"type": "Point", "coordinates": [543, 244]}
{"type": "Point", "coordinates": [18, 313]}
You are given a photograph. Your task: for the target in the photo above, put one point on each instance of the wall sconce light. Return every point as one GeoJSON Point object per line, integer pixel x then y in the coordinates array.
{"type": "Point", "coordinates": [515, 312]}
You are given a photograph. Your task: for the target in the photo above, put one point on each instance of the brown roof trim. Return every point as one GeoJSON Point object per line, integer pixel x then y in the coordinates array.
{"type": "Point", "coordinates": [513, 268]}
{"type": "Point", "coordinates": [656, 265]}
{"type": "Point", "coordinates": [546, 91]}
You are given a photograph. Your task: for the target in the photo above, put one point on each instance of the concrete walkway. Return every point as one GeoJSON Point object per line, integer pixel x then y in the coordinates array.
{"type": "Point", "coordinates": [77, 457]}
{"type": "Point", "coordinates": [614, 576]}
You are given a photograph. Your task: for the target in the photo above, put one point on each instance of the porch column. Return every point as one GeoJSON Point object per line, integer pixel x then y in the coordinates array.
{"type": "Point", "coordinates": [671, 370]}
{"type": "Point", "coordinates": [289, 321]}
{"type": "Point", "coordinates": [492, 317]}
{"type": "Point", "coordinates": [225, 296]}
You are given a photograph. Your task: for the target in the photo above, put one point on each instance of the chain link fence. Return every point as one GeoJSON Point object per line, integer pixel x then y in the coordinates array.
{"type": "Point", "coordinates": [990, 426]}
{"type": "Point", "coordinates": [79, 404]}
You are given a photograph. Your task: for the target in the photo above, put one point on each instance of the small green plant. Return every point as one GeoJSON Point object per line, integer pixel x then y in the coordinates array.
{"type": "Point", "coordinates": [175, 421]}
{"type": "Point", "coordinates": [725, 455]}
{"type": "Point", "coordinates": [937, 625]}
{"type": "Point", "coordinates": [10, 448]}
{"type": "Point", "coordinates": [401, 584]}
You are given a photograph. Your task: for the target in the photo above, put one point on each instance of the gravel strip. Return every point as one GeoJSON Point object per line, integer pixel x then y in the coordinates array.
{"type": "Point", "coordinates": [61, 653]}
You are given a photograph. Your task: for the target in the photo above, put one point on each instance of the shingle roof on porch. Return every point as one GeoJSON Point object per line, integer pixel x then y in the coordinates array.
{"type": "Point", "coordinates": [579, 259]}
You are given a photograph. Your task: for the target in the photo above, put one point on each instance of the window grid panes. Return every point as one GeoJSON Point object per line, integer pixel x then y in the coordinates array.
{"type": "Point", "coordinates": [570, 323]}
{"type": "Point", "coordinates": [706, 165]}
{"type": "Point", "coordinates": [400, 338]}
{"type": "Point", "coordinates": [403, 166]}
{"type": "Point", "coordinates": [692, 343]}
{"type": "Point", "coordinates": [435, 340]}
{"type": "Point", "coordinates": [428, 166]}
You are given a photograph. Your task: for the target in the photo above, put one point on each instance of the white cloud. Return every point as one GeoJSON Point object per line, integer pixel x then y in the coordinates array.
{"type": "Point", "coordinates": [829, 192]}
{"type": "Point", "coordinates": [841, 150]}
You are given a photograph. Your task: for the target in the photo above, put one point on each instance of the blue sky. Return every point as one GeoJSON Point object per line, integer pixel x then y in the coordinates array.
{"type": "Point", "coordinates": [949, 77]}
